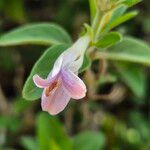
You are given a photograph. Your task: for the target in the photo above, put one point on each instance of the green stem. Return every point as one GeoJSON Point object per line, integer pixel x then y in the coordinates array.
{"type": "Point", "coordinates": [96, 22]}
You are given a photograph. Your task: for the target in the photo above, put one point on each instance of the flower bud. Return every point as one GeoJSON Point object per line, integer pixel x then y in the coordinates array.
{"type": "Point", "coordinates": [104, 5]}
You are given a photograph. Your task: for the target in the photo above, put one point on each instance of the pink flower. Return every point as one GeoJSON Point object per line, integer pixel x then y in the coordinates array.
{"type": "Point", "coordinates": [62, 83]}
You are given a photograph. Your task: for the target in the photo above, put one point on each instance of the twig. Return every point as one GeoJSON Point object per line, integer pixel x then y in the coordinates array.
{"type": "Point", "coordinates": [116, 95]}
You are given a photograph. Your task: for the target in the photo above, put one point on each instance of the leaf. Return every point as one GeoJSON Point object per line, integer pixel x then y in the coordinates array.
{"type": "Point", "coordinates": [42, 67]}
{"type": "Point", "coordinates": [115, 14]}
{"type": "Point", "coordinates": [138, 121]}
{"type": "Point", "coordinates": [53, 145]}
{"type": "Point", "coordinates": [129, 49]}
{"type": "Point", "coordinates": [6, 122]}
{"type": "Point", "coordinates": [121, 20]}
{"type": "Point", "coordinates": [118, 12]}
{"type": "Point", "coordinates": [109, 39]}
{"type": "Point", "coordinates": [131, 3]}
{"type": "Point", "coordinates": [20, 105]}
{"type": "Point", "coordinates": [86, 63]}
{"type": "Point", "coordinates": [108, 78]}
{"type": "Point", "coordinates": [133, 76]}
{"type": "Point", "coordinates": [29, 143]}
{"type": "Point", "coordinates": [39, 33]}
{"type": "Point", "coordinates": [89, 141]}
{"type": "Point", "coordinates": [146, 24]}
{"type": "Point", "coordinates": [50, 130]}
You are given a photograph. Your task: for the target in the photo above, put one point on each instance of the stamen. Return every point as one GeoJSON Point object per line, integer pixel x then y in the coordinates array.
{"type": "Point", "coordinates": [52, 87]}
{"type": "Point", "coordinates": [77, 58]}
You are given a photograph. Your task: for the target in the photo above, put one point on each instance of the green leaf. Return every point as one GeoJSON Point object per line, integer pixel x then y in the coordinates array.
{"type": "Point", "coordinates": [129, 49]}
{"type": "Point", "coordinates": [133, 76]}
{"type": "Point", "coordinates": [29, 143]}
{"type": "Point", "coordinates": [50, 130]}
{"type": "Point", "coordinates": [139, 122]}
{"type": "Point", "coordinates": [130, 3]}
{"type": "Point", "coordinates": [108, 40]}
{"type": "Point", "coordinates": [20, 105]}
{"type": "Point", "coordinates": [89, 141]}
{"type": "Point", "coordinates": [42, 67]}
{"type": "Point", "coordinates": [121, 20]}
{"type": "Point", "coordinates": [118, 12]}
{"type": "Point", "coordinates": [53, 145]}
{"type": "Point", "coordinates": [146, 24]}
{"type": "Point", "coordinates": [108, 78]}
{"type": "Point", "coordinates": [6, 122]}
{"type": "Point", "coordinates": [39, 33]}
{"type": "Point", "coordinates": [86, 63]}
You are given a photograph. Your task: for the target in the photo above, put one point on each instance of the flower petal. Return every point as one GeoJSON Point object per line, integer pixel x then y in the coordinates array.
{"type": "Point", "coordinates": [73, 85]}
{"type": "Point", "coordinates": [75, 66]}
{"type": "Point", "coordinates": [57, 66]}
{"type": "Point", "coordinates": [73, 57]}
{"type": "Point", "coordinates": [56, 102]}
{"type": "Point", "coordinates": [39, 82]}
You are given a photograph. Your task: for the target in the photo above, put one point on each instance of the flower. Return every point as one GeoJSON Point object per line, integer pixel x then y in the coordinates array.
{"type": "Point", "coordinates": [62, 83]}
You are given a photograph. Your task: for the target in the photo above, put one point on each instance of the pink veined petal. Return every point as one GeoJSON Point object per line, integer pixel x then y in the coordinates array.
{"type": "Point", "coordinates": [73, 85]}
{"type": "Point", "coordinates": [43, 83]}
{"type": "Point", "coordinates": [57, 66]}
{"type": "Point", "coordinates": [56, 102]}
{"type": "Point", "coordinates": [39, 82]}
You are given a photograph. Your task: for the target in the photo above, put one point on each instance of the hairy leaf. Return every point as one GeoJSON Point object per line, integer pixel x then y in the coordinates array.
{"type": "Point", "coordinates": [108, 40]}
{"type": "Point", "coordinates": [129, 49]}
{"type": "Point", "coordinates": [39, 33]}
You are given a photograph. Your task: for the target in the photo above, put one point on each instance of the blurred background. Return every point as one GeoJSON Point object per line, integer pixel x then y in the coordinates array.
{"type": "Point", "coordinates": [117, 120]}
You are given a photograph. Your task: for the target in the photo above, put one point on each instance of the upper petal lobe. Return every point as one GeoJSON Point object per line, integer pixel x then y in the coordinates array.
{"type": "Point", "coordinates": [39, 82]}
{"type": "Point", "coordinates": [73, 85]}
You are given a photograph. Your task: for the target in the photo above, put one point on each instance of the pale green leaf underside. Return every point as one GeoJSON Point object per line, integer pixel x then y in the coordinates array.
{"type": "Point", "coordinates": [38, 33]}
{"type": "Point", "coordinates": [130, 49]}
{"type": "Point", "coordinates": [133, 77]}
